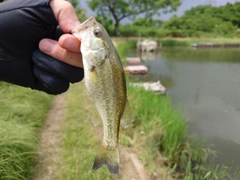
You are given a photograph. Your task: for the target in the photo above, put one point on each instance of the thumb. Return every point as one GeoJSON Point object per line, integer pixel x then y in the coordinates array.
{"type": "Point", "coordinates": [64, 14]}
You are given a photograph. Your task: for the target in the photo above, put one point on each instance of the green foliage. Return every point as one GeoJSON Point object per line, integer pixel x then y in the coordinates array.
{"type": "Point", "coordinates": [122, 50]}
{"type": "Point", "coordinates": [202, 20]}
{"type": "Point", "coordinates": [144, 22]}
{"type": "Point", "coordinates": [118, 10]}
{"type": "Point", "coordinates": [143, 27]}
{"type": "Point", "coordinates": [74, 3]}
{"type": "Point", "coordinates": [81, 13]}
{"type": "Point", "coordinates": [169, 42]}
{"type": "Point", "coordinates": [134, 31]}
{"type": "Point", "coordinates": [22, 112]}
{"type": "Point", "coordinates": [107, 24]}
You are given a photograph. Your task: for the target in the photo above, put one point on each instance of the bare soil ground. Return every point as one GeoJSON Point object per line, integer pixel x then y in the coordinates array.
{"type": "Point", "coordinates": [50, 137]}
{"type": "Point", "coordinates": [131, 167]}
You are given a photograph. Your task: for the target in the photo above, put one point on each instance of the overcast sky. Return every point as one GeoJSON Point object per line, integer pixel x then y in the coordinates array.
{"type": "Point", "coordinates": [186, 4]}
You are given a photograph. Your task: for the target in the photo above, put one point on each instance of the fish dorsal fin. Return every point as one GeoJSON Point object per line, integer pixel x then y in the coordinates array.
{"type": "Point", "coordinates": [96, 118]}
{"type": "Point", "coordinates": [127, 116]}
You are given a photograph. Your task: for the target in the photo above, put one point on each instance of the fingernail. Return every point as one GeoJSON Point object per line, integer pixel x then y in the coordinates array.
{"type": "Point", "coordinates": [46, 46]}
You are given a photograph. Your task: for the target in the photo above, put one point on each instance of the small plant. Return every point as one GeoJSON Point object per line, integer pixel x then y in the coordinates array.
{"type": "Point", "coordinates": [22, 112]}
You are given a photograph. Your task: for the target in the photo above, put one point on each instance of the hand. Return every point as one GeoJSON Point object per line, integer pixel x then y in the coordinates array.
{"type": "Point", "coordinates": [67, 48]}
{"type": "Point", "coordinates": [25, 23]}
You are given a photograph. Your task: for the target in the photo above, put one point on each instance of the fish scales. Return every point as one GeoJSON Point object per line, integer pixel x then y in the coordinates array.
{"type": "Point", "coordinates": [106, 84]}
{"type": "Point", "coordinates": [110, 108]}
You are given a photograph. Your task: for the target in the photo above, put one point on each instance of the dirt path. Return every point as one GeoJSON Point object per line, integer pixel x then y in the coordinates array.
{"type": "Point", "coordinates": [131, 167]}
{"type": "Point", "coordinates": [50, 138]}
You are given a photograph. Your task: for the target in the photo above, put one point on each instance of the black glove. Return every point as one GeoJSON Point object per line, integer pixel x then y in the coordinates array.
{"type": "Point", "coordinates": [23, 23]}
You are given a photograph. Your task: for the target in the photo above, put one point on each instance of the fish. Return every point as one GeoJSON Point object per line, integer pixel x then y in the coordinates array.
{"type": "Point", "coordinates": [106, 84]}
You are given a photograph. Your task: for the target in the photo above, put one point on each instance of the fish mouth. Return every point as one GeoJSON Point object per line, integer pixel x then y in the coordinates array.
{"type": "Point", "coordinates": [85, 25]}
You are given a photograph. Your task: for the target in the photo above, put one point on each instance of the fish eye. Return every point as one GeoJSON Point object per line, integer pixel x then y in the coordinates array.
{"type": "Point", "coordinates": [97, 32]}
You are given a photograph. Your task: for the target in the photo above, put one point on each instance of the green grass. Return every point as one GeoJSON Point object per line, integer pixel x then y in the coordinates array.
{"type": "Point", "coordinates": [81, 139]}
{"type": "Point", "coordinates": [163, 130]}
{"type": "Point", "coordinates": [164, 127]}
{"type": "Point", "coordinates": [79, 144]}
{"type": "Point", "coordinates": [156, 111]}
{"type": "Point", "coordinates": [22, 112]}
{"type": "Point", "coordinates": [122, 49]}
{"type": "Point", "coordinates": [172, 42]}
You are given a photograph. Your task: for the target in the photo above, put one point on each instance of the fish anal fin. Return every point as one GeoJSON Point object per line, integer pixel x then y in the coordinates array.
{"type": "Point", "coordinates": [96, 118]}
{"type": "Point", "coordinates": [109, 158]}
{"type": "Point", "coordinates": [127, 116]}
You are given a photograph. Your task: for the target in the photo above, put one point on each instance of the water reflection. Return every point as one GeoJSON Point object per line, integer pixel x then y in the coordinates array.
{"type": "Point", "coordinates": [205, 83]}
{"type": "Point", "coordinates": [147, 56]}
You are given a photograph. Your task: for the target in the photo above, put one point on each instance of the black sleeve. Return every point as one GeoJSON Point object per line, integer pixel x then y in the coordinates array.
{"type": "Point", "coordinates": [23, 23]}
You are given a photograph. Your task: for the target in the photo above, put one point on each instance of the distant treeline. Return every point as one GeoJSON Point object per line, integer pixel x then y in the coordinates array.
{"type": "Point", "coordinates": [200, 21]}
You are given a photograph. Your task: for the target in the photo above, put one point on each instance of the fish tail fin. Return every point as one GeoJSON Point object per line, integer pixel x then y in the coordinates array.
{"type": "Point", "coordinates": [109, 158]}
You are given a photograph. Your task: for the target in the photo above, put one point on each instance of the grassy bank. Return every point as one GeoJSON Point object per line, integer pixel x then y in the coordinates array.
{"type": "Point", "coordinates": [163, 139]}
{"type": "Point", "coordinates": [158, 129]}
{"type": "Point", "coordinates": [162, 131]}
{"type": "Point", "coordinates": [22, 112]}
{"type": "Point", "coordinates": [123, 47]}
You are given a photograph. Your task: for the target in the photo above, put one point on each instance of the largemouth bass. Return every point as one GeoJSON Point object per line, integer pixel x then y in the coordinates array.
{"type": "Point", "coordinates": [106, 84]}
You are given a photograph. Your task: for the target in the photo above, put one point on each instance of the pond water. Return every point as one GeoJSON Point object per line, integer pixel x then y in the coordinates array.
{"type": "Point", "coordinates": [205, 84]}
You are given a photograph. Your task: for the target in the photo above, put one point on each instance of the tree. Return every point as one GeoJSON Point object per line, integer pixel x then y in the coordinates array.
{"type": "Point", "coordinates": [205, 20]}
{"type": "Point", "coordinates": [120, 9]}
{"type": "Point", "coordinates": [144, 22]}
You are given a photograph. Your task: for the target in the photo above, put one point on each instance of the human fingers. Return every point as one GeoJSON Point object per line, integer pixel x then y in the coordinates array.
{"type": "Point", "coordinates": [64, 14]}
{"type": "Point", "coordinates": [69, 42]}
{"type": "Point", "coordinates": [52, 48]}
{"type": "Point", "coordinates": [52, 75]}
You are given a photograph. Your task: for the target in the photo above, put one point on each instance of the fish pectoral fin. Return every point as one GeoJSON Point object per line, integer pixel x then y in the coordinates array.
{"type": "Point", "coordinates": [96, 57]}
{"type": "Point", "coordinates": [127, 116]}
{"type": "Point", "coordinates": [96, 118]}
{"type": "Point", "coordinates": [90, 67]}
{"type": "Point", "coordinates": [109, 158]}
